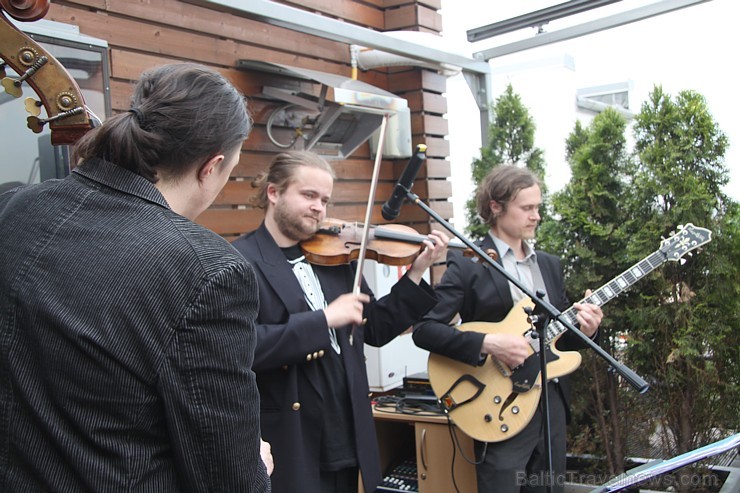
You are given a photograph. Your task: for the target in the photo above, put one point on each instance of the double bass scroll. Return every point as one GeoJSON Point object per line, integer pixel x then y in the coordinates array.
{"type": "Point", "coordinates": [58, 92]}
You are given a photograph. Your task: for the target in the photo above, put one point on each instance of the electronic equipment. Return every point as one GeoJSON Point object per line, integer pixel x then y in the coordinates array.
{"type": "Point", "coordinates": [401, 478]}
{"type": "Point", "coordinates": [418, 383]}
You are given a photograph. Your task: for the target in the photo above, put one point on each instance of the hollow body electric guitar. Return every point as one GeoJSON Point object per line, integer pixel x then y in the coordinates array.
{"type": "Point", "coordinates": [492, 402]}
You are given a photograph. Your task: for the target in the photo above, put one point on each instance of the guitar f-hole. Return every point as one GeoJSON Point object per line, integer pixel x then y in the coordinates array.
{"type": "Point", "coordinates": [508, 402]}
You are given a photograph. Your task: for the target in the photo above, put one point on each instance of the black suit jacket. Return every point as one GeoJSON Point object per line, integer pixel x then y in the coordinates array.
{"type": "Point", "coordinates": [479, 293]}
{"type": "Point", "coordinates": [126, 340]}
{"type": "Point", "coordinates": [291, 341]}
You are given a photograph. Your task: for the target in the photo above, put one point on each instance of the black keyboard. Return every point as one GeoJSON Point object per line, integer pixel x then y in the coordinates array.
{"type": "Point", "coordinates": [401, 479]}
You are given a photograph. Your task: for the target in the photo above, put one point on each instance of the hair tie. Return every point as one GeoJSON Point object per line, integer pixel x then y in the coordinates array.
{"type": "Point", "coordinates": [139, 116]}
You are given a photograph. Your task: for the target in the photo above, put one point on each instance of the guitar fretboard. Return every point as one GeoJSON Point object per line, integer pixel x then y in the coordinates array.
{"type": "Point", "coordinates": [609, 291]}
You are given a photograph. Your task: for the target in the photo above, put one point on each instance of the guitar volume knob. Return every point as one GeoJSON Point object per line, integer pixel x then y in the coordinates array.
{"type": "Point", "coordinates": [497, 399]}
{"type": "Point", "coordinates": [504, 428]}
{"type": "Point", "coordinates": [515, 410]}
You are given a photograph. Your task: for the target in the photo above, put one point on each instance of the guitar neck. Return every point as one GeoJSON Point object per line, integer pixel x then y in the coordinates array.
{"type": "Point", "coordinates": [610, 290]}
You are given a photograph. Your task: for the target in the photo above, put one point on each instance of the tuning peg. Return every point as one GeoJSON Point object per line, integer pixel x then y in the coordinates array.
{"type": "Point", "coordinates": [12, 87]}
{"type": "Point", "coordinates": [37, 124]}
{"type": "Point", "coordinates": [33, 107]}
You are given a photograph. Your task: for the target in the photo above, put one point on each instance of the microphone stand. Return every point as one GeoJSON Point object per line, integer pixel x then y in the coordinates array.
{"type": "Point", "coordinates": [540, 323]}
{"type": "Point", "coordinates": [545, 312]}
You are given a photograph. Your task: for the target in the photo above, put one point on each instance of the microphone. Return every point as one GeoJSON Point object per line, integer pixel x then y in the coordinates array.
{"type": "Point", "coordinates": [392, 207]}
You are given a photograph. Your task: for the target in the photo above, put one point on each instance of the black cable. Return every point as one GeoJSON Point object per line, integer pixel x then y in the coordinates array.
{"type": "Point", "coordinates": [456, 446]}
{"type": "Point", "coordinates": [406, 405]}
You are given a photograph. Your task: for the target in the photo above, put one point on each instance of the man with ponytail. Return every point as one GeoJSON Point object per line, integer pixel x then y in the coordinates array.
{"type": "Point", "coordinates": [127, 331]}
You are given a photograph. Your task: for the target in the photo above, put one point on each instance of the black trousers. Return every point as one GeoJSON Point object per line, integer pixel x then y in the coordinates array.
{"type": "Point", "coordinates": [342, 481]}
{"type": "Point", "coordinates": [519, 464]}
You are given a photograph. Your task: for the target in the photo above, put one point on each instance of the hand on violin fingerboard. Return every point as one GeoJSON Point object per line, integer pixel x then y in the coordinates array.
{"type": "Point", "coordinates": [435, 251]}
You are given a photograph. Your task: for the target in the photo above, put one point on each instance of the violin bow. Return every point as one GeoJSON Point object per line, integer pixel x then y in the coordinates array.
{"type": "Point", "coordinates": [368, 214]}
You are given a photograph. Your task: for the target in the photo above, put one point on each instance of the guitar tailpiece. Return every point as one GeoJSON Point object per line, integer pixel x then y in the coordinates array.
{"type": "Point", "coordinates": [449, 403]}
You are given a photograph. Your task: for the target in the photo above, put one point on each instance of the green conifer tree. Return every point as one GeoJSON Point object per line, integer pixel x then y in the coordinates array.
{"type": "Point", "coordinates": [511, 141]}
{"type": "Point", "coordinates": [684, 328]}
{"type": "Point", "coordinates": [680, 322]}
{"type": "Point", "coordinates": [586, 235]}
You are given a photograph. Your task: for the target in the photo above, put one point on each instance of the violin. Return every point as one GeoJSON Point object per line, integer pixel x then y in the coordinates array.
{"type": "Point", "coordinates": [338, 242]}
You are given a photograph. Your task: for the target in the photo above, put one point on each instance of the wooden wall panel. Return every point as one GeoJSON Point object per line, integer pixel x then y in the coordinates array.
{"type": "Point", "coordinates": [437, 147]}
{"type": "Point", "coordinates": [355, 12]}
{"type": "Point", "coordinates": [199, 19]}
{"type": "Point", "coordinates": [411, 80]}
{"type": "Point", "coordinates": [96, 4]}
{"type": "Point", "coordinates": [439, 189]}
{"type": "Point", "coordinates": [427, 101]}
{"type": "Point", "coordinates": [438, 168]}
{"type": "Point", "coordinates": [241, 192]}
{"type": "Point", "coordinates": [175, 43]}
{"type": "Point", "coordinates": [412, 17]}
{"type": "Point", "coordinates": [422, 123]}
{"type": "Point", "coordinates": [433, 4]}
{"type": "Point", "coordinates": [143, 34]}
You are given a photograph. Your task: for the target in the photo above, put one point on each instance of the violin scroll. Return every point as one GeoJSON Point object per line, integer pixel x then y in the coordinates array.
{"type": "Point", "coordinates": [489, 251]}
{"type": "Point", "coordinates": [60, 95]}
{"type": "Point", "coordinates": [25, 10]}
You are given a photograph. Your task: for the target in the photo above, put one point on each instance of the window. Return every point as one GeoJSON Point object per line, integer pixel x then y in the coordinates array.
{"type": "Point", "coordinates": [597, 99]}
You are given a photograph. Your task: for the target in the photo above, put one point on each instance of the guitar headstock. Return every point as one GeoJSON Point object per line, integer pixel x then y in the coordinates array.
{"type": "Point", "coordinates": [58, 92]}
{"type": "Point", "coordinates": [688, 239]}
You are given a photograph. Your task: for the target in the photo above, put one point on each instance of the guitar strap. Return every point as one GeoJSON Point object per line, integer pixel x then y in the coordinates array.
{"type": "Point", "coordinates": [449, 403]}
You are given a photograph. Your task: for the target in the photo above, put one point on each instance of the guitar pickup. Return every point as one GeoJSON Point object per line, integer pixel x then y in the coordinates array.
{"type": "Point", "coordinates": [505, 371]}
{"type": "Point", "coordinates": [534, 342]}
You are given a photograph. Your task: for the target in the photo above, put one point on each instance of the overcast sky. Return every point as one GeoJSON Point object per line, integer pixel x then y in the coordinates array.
{"type": "Point", "coordinates": [692, 48]}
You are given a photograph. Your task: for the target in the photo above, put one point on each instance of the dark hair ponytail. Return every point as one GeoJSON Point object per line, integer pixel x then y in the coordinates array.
{"type": "Point", "coordinates": [181, 115]}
